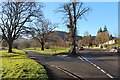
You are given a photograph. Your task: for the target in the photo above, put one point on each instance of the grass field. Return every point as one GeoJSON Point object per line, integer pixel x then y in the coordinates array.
{"type": "Point", "coordinates": [17, 65]}
{"type": "Point", "coordinates": [49, 51]}
{"type": "Point", "coordinates": [118, 45]}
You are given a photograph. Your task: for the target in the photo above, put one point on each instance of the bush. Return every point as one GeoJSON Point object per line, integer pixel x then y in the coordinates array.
{"type": "Point", "coordinates": [47, 47]}
{"type": "Point", "coordinates": [105, 46]}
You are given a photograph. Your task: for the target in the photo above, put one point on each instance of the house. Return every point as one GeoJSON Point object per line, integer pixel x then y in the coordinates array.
{"type": "Point", "coordinates": [113, 41]}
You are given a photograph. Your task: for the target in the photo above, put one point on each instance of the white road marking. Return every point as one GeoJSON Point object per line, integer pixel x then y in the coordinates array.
{"type": "Point", "coordinates": [103, 71]}
{"type": "Point", "coordinates": [80, 58]}
{"type": "Point", "coordinates": [94, 65]}
{"type": "Point", "coordinates": [62, 55]}
{"type": "Point", "coordinates": [64, 71]}
{"type": "Point", "coordinates": [98, 67]}
{"type": "Point", "coordinates": [110, 76]}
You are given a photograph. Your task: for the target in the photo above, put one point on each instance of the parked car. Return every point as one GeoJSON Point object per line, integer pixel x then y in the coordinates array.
{"type": "Point", "coordinates": [115, 49]}
{"type": "Point", "coordinates": [81, 48]}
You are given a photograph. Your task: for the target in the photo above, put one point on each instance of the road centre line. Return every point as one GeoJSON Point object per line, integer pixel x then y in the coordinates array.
{"type": "Point", "coordinates": [109, 75]}
{"type": "Point", "coordinates": [103, 71]}
{"type": "Point", "coordinates": [80, 58]}
{"type": "Point", "coordinates": [97, 67]}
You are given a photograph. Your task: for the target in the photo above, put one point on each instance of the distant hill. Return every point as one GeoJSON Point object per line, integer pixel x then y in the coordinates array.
{"type": "Point", "coordinates": [62, 34]}
{"type": "Point", "coordinates": [20, 40]}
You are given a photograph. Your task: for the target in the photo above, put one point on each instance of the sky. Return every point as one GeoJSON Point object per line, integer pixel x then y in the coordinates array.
{"type": "Point", "coordinates": [101, 14]}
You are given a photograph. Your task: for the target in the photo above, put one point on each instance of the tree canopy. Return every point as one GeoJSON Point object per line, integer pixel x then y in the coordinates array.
{"type": "Point", "coordinates": [73, 11]}
{"type": "Point", "coordinates": [13, 19]}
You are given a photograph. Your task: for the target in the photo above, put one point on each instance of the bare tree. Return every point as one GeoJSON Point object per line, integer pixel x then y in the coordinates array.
{"type": "Point", "coordinates": [87, 40]}
{"type": "Point", "coordinates": [43, 28]}
{"type": "Point", "coordinates": [103, 36]}
{"type": "Point", "coordinates": [34, 43]}
{"type": "Point", "coordinates": [55, 40]}
{"type": "Point", "coordinates": [13, 18]}
{"type": "Point", "coordinates": [73, 12]}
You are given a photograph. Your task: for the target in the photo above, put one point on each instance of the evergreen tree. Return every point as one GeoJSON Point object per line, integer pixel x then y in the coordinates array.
{"type": "Point", "coordinates": [105, 29]}
{"type": "Point", "coordinates": [111, 37]}
{"type": "Point", "coordinates": [100, 30]}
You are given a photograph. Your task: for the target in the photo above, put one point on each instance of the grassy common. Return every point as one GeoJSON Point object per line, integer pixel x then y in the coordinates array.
{"type": "Point", "coordinates": [18, 65]}
{"type": "Point", "coordinates": [49, 51]}
{"type": "Point", "coordinates": [118, 45]}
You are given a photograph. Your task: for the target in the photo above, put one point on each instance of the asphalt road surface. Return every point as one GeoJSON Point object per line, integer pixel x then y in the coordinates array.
{"type": "Point", "coordinates": [92, 64]}
{"type": "Point", "coordinates": [106, 61]}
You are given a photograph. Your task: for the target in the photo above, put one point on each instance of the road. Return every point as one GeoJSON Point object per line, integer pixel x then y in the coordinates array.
{"type": "Point", "coordinates": [53, 72]}
{"type": "Point", "coordinates": [107, 61]}
{"type": "Point", "coordinates": [92, 64]}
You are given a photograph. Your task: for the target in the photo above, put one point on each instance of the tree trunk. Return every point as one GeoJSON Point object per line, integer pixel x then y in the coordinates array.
{"type": "Point", "coordinates": [10, 47]}
{"type": "Point", "coordinates": [73, 42]}
{"type": "Point", "coordinates": [42, 46]}
{"type": "Point", "coordinates": [74, 29]}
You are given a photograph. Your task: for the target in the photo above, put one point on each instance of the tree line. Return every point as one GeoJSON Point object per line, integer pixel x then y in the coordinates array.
{"type": "Point", "coordinates": [15, 18]}
{"type": "Point", "coordinates": [101, 37]}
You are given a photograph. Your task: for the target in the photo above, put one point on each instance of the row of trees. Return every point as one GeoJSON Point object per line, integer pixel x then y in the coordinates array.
{"type": "Point", "coordinates": [15, 17]}
{"type": "Point", "coordinates": [53, 42]}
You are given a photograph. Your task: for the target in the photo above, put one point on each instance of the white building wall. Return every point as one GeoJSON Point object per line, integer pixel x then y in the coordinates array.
{"type": "Point", "coordinates": [110, 42]}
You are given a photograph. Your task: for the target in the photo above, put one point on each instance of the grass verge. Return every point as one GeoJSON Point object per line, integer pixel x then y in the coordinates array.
{"type": "Point", "coordinates": [17, 65]}
{"type": "Point", "coordinates": [49, 51]}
